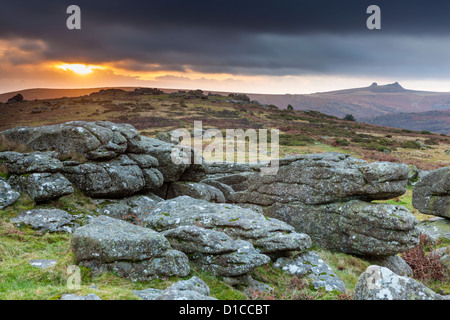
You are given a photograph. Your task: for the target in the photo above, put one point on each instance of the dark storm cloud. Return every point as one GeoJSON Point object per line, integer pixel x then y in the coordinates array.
{"type": "Point", "coordinates": [241, 37]}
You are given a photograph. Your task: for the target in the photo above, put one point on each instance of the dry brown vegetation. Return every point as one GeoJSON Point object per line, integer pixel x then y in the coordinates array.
{"type": "Point", "coordinates": [302, 131]}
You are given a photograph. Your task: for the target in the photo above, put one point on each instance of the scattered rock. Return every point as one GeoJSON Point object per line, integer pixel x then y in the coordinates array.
{"type": "Point", "coordinates": [7, 195]}
{"type": "Point", "coordinates": [394, 263]}
{"type": "Point", "coordinates": [310, 264]}
{"type": "Point", "coordinates": [251, 285]}
{"type": "Point", "coordinates": [17, 98]}
{"type": "Point", "coordinates": [444, 255]}
{"type": "Point", "coordinates": [131, 251]}
{"type": "Point", "coordinates": [379, 283]}
{"type": "Point", "coordinates": [431, 195]}
{"type": "Point", "coordinates": [240, 97]}
{"type": "Point", "coordinates": [435, 228]}
{"type": "Point", "coordinates": [46, 220]}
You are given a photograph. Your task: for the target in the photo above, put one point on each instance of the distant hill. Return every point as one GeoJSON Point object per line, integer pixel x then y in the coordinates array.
{"type": "Point", "coordinates": [41, 94]}
{"type": "Point", "coordinates": [434, 121]}
{"type": "Point", "coordinates": [365, 102]}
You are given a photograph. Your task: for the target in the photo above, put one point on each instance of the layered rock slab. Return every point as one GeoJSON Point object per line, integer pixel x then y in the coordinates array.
{"type": "Point", "coordinates": [325, 178]}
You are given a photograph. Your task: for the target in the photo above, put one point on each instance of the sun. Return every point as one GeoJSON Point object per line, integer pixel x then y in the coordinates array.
{"type": "Point", "coordinates": [78, 68]}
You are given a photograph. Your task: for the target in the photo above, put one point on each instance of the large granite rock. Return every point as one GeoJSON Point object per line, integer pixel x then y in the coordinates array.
{"type": "Point", "coordinates": [379, 283]}
{"type": "Point", "coordinates": [8, 196]}
{"type": "Point", "coordinates": [356, 227]}
{"type": "Point", "coordinates": [431, 195]}
{"type": "Point", "coordinates": [130, 251]}
{"type": "Point", "coordinates": [266, 234]}
{"type": "Point", "coordinates": [325, 178]}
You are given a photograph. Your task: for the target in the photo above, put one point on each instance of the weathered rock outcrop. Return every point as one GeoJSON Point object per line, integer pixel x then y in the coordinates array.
{"type": "Point", "coordinates": [431, 195]}
{"type": "Point", "coordinates": [379, 283]}
{"type": "Point", "coordinates": [394, 263]}
{"type": "Point", "coordinates": [102, 159]}
{"type": "Point", "coordinates": [225, 239]}
{"type": "Point", "coordinates": [99, 140]}
{"type": "Point", "coordinates": [17, 98]}
{"type": "Point", "coordinates": [130, 251]}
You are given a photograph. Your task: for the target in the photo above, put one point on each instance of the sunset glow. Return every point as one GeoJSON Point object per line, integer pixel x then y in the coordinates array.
{"type": "Point", "coordinates": [80, 69]}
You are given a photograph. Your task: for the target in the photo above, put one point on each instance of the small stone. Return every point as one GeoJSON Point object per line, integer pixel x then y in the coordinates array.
{"type": "Point", "coordinates": [90, 296]}
{"type": "Point", "coordinates": [43, 264]}
{"type": "Point", "coordinates": [310, 264]}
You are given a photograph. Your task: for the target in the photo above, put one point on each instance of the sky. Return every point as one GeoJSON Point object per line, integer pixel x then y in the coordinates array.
{"type": "Point", "coordinates": [272, 47]}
